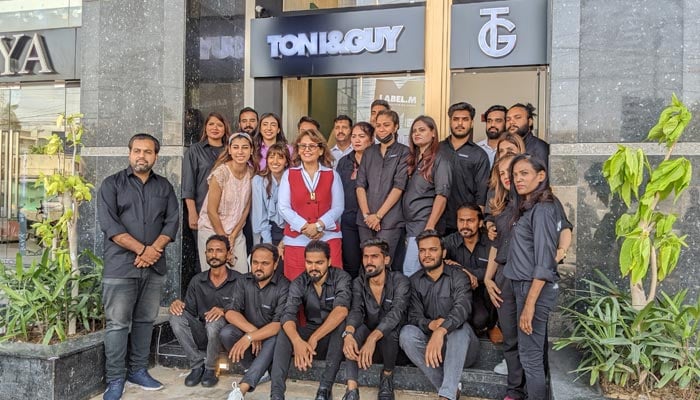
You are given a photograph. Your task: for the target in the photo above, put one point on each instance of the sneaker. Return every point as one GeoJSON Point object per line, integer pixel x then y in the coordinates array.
{"type": "Point", "coordinates": [144, 380]}
{"type": "Point", "coordinates": [194, 377]}
{"type": "Point", "coordinates": [114, 390]}
{"type": "Point", "coordinates": [459, 391]}
{"type": "Point", "coordinates": [495, 335]}
{"type": "Point", "coordinates": [352, 395]}
{"type": "Point", "coordinates": [264, 378]}
{"type": "Point", "coordinates": [501, 368]}
{"type": "Point", "coordinates": [209, 378]}
{"type": "Point", "coordinates": [386, 387]}
{"type": "Point", "coordinates": [235, 393]}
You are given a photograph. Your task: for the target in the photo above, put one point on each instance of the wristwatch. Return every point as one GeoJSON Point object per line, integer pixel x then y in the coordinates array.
{"type": "Point", "coordinates": [345, 333]}
{"type": "Point", "coordinates": [319, 227]}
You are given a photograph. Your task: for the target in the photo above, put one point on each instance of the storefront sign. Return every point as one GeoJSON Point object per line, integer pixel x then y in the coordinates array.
{"type": "Point", "coordinates": [350, 42]}
{"type": "Point", "coordinates": [39, 55]}
{"type": "Point", "coordinates": [499, 33]}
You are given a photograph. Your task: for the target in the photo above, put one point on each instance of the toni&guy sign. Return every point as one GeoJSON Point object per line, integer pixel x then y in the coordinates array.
{"type": "Point", "coordinates": [350, 42]}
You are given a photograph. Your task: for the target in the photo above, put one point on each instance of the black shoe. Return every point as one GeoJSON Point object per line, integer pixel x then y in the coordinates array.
{"type": "Point", "coordinates": [386, 387]}
{"type": "Point", "coordinates": [194, 377]}
{"type": "Point", "coordinates": [352, 395]}
{"type": "Point", "coordinates": [324, 393]}
{"type": "Point", "coordinates": [209, 378]}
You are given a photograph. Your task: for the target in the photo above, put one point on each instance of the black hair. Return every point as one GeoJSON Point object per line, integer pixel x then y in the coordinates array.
{"type": "Point", "coordinates": [342, 117]}
{"type": "Point", "coordinates": [461, 106]}
{"type": "Point", "coordinates": [381, 244]}
{"type": "Point", "coordinates": [473, 207]}
{"type": "Point", "coordinates": [380, 102]}
{"type": "Point", "coordinates": [145, 136]}
{"type": "Point", "coordinates": [306, 118]}
{"type": "Point", "coordinates": [245, 110]}
{"type": "Point", "coordinates": [391, 114]}
{"type": "Point", "coordinates": [430, 233]}
{"type": "Point", "coordinates": [220, 238]}
{"type": "Point", "coordinates": [529, 108]}
{"type": "Point", "coordinates": [268, 247]}
{"type": "Point", "coordinates": [493, 108]}
{"type": "Point", "coordinates": [365, 127]}
{"type": "Point", "coordinates": [258, 139]}
{"type": "Point", "coordinates": [542, 193]}
{"type": "Point", "coordinates": [318, 246]}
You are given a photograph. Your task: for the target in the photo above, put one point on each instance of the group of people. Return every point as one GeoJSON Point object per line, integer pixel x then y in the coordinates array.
{"type": "Point", "coordinates": [351, 251]}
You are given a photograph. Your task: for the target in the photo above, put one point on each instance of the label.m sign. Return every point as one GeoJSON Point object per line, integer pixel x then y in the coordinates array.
{"type": "Point", "coordinates": [40, 55]}
{"type": "Point", "coordinates": [349, 42]}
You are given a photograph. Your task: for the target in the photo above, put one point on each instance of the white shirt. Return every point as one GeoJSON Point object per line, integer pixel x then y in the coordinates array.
{"type": "Point", "coordinates": [489, 151]}
{"type": "Point", "coordinates": [338, 154]}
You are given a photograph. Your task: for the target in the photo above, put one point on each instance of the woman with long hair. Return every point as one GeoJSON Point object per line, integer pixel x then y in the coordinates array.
{"type": "Point", "coordinates": [196, 166]}
{"type": "Point", "coordinates": [311, 202]}
{"type": "Point", "coordinates": [361, 138]}
{"type": "Point", "coordinates": [430, 178]}
{"type": "Point", "coordinates": [228, 201]}
{"type": "Point", "coordinates": [269, 132]}
{"type": "Point", "coordinates": [381, 181]}
{"type": "Point", "coordinates": [510, 143]}
{"type": "Point", "coordinates": [268, 224]}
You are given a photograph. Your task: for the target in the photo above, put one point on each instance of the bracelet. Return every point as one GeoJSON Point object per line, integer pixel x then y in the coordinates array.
{"type": "Point", "coordinates": [250, 338]}
{"type": "Point", "coordinates": [143, 251]}
{"type": "Point", "coordinates": [378, 216]}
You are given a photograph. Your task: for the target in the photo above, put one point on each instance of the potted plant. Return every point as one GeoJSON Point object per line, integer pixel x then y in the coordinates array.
{"type": "Point", "coordinates": [53, 306]}
{"type": "Point", "coordinates": [637, 341]}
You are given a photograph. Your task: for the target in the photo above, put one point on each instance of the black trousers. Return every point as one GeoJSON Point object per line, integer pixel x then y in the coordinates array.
{"type": "Point", "coordinates": [352, 255]}
{"type": "Point", "coordinates": [508, 321]}
{"type": "Point", "coordinates": [255, 365]}
{"type": "Point", "coordinates": [484, 314]}
{"type": "Point", "coordinates": [386, 351]}
{"type": "Point", "coordinates": [330, 347]}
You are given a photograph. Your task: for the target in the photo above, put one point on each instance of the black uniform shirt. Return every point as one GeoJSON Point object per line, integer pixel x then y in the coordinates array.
{"type": "Point", "coordinates": [348, 168]}
{"type": "Point", "coordinates": [336, 292]}
{"type": "Point", "coordinates": [391, 314]}
{"type": "Point", "coordinates": [143, 210]}
{"type": "Point", "coordinates": [448, 297]}
{"type": "Point", "coordinates": [533, 245]}
{"type": "Point", "coordinates": [476, 261]}
{"type": "Point", "coordinates": [196, 166]}
{"type": "Point", "coordinates": [378, 176]}
{"type": "Point", "coordinates": [420, 194]}
{"type": "Point", "coordinates": [470, 177]}
{"type": "Point", "coordinates": [260, 306]}
{"type": "Point", "coordinates": [202, 295]}
{"type": "Point", "coordinates": [537, 147]}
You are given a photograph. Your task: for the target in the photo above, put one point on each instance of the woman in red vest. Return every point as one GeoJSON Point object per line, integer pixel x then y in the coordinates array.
{"type": "Point", "coordinates": [311, 202]}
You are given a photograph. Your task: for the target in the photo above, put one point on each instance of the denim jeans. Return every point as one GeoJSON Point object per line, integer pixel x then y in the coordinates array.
{"type": "Point", "coordinates": [257, 365]}
{"type": "Point", "coordinates": [130, 303]}
{"type": "Point", "coordinates": [199, 339]}
{"type": "Point", "coordinates": [387, 346]}
{"type": "Point", "coordinates": [532, 347]}
{"type": "Point", "coordinates": [411, 264]}
{"type": "Point", "coordinates": [460, 345]}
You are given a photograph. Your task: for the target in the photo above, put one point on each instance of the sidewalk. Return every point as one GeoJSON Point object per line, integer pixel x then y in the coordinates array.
{"type": "Point", "coordinates": [296, 390]}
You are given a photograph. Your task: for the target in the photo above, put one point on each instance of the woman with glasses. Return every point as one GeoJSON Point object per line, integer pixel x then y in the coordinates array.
{"type": "Point", "coordinates": [228, 201]}
{"type": "Point", "coordinates": [311, 202]}
{"type": "Point", "coordinates": [361, 138]}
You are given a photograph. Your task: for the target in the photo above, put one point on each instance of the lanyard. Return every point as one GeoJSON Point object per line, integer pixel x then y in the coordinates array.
{"type": "Point", "coordinates": [311, 185]}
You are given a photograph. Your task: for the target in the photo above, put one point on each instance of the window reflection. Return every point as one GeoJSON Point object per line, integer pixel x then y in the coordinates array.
{"type": "Point", "coordinates": [27, 15]}
{"type": "Point", "coordinates": [300, 5]}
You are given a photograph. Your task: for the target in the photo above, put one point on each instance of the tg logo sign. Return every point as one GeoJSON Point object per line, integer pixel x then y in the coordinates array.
{"type": "Point", "coordinates": [490, 31]}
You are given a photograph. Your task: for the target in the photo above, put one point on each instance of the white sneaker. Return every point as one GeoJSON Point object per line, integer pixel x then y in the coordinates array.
{"type": "Point", "coordinates": [235, 393]}
{"type": "Point", "coordinates": [501, 368]}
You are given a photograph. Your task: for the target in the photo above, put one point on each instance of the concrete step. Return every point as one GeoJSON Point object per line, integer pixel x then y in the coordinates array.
{"type": "Point", "coordinates": [477, 381]}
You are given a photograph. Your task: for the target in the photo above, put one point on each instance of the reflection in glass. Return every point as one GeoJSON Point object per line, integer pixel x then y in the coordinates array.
{"type": "Point", "coordinates": [28, 15]}
{"type": "Point", "coordinates": [301, 5]}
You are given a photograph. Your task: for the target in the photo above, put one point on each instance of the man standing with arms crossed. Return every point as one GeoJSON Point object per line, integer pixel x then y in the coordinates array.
{"type": "Point", "coordinates": [379, 306]}
{"type": "Point", "coordinates": [138, 214]}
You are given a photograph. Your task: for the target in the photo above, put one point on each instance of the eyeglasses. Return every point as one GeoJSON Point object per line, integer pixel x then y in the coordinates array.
{"type": "Point", "coordinates": [308, 146]}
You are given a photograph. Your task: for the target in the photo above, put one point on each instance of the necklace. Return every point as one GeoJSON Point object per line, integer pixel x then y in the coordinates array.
{"type": "Point", "coordinates": [311, 185]}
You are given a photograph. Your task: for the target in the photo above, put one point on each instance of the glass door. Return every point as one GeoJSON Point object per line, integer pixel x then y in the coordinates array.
{"type": "Point", "coordinates": [27, 118]}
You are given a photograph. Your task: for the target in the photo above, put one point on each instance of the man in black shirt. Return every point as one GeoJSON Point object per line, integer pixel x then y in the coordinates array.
{"type": "Point", "coordinates": [254, 315]}
{"type": "Point", "coordinates": [519, 119]}
{"type": "Point", "coordinates": [380, 302]}
{"type": "Point", "coordinates": [469, 162]}
{"type": "Point", "coordinates": [138, 214]}
{"type": "Point", "coordinates": [325, 296]}
{"type": "Point", "coordinates": [196, 322]}
{"type": "Point", "coordinates": [437, 338]}
{"type": "Point", "coordinates": [470, 249]}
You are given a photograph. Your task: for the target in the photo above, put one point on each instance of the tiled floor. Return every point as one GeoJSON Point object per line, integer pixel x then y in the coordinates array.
{"type": "Point", "coordinates": [296, 390]}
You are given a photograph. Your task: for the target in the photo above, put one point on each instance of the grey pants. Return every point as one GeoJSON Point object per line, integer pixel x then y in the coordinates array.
{"type": "Point", "coordinates": [199, 339]}
{"type": "Point", "coordinates": [257, 365]}
{"type": "Point", "coordinates": [461, 349]}
{"type": "Point", "coordinates": [532, 347]}
{"type": "Point", "coordinates": [131, 306]}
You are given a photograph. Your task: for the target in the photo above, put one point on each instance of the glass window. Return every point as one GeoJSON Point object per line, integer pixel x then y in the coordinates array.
{"type": "Point", "coordinates": [30, 15]}
{"type": "Point", "coordinates": [301, 5]}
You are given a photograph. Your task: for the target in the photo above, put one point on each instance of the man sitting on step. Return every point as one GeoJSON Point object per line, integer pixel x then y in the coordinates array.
{"type": "Point", "coordinates": [196, 322]}
{"type": "Point", "coordinates": [254, 315]}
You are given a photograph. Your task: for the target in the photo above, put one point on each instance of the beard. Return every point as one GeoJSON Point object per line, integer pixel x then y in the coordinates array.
{"type": "Point", "coordinates": [317, 275]}
{"type": "Point", "coordinates": [462, 135]}
{"type": "Point", "coordinates": [141, 167]}
{"type": "Point", "coordinates": [434, 265]}
{"type": "Point", "coordinates": [375, 272]}
{"type": "Point", "coordinates": [494, 134]}
{"type": "Point", "coordinates": [261, 277]}
{"type": "Point", "coordinates": [523, 130]}
{"type": "Point", "coordinates": [215, 262]}
{"type": "Point", "coordinates": [467, 233]}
